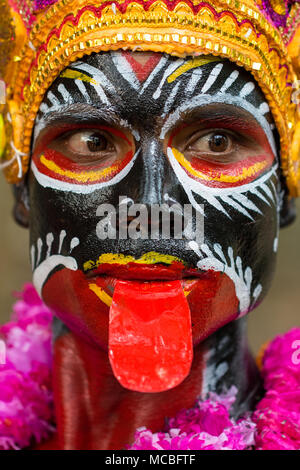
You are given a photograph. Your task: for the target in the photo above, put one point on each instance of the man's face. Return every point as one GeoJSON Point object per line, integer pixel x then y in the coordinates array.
{"type": "Point", "coordinates": [130, 129]}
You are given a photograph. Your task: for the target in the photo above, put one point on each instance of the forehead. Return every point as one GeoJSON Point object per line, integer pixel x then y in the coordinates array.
{"type": "Point", "coordinates": [144, 87]}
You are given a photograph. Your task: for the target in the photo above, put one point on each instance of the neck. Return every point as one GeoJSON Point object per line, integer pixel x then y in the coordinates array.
{"type": "Point", "coordinates": [93, 411]}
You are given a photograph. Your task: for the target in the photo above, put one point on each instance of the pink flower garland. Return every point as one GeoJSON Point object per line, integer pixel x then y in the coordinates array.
{"type": "Point", "coordinates": [207, 426]}
{"type": "Point", "coordinates": [275, 425]}
{"type": "Point", "coordinates": [25, 378]}
{"type": "Point", "coordinates": [26, 402]}
{"type": "Point", "coordinates": [277, 415]}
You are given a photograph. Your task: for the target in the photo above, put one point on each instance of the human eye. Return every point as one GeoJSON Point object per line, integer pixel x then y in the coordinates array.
{"type": "Point", "coordinates": [221, 150]}
{"type": "Point", "coordinates": [92, 146]}
{"type": "Point", "coordinates": [218, 145]}
{"type": "Point", "coordinates": [83, 155]}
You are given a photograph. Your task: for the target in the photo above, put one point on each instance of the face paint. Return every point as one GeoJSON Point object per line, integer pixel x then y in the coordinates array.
{"type": "Point", "coordinates": [54, 165]}
{"type": "Point", "coordinates": [211, 170]}
{"type": "Point", "coordinates": [158, 116]}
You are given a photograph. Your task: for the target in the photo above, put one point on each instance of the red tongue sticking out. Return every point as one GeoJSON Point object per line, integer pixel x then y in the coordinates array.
{"type": "Point", "coordinates": [150, 335]}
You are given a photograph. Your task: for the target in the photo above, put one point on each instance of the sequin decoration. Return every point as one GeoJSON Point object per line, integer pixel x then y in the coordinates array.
{"type": "Point", "coordinates": [42, 4]}
{"type": "Point", "coordinates": [6, 36]}
{"type": "Point", "coordinates": [252, 33]}
{"type": "Point", "coordinates": [277, 10]}
{"type": "Point", "coordinates": [25, 9]}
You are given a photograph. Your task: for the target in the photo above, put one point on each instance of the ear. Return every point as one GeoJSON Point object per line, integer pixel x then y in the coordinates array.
{"type": "Point", "coordinates": [21, 207]}
{"type": "Point", "coordinates": [288, 210]}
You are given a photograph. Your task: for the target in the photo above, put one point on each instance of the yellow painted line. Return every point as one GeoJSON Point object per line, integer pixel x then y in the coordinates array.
{"type": "Point", "coordinates": [118, 258]}
{"type": "Point", "coordinates": [84, 177]}
{"type": "Point", "coordinates": [246, 173]}
{"type": "Point", "coordinates": [101, 294]}
{"type": "Point", "coordinates": [75, 75]}
{"type": "Point", "coordinates": [192, 64]}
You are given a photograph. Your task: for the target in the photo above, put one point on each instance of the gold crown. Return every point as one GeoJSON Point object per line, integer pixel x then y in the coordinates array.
{"type": "Point", "coordinates": [39, 38]}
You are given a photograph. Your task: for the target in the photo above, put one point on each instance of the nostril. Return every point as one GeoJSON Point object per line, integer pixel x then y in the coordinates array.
{"type": "Point", "coordinates": [149, 221]}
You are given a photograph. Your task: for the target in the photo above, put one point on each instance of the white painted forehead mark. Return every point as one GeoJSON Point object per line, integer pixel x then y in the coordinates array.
{"type": "Point", "coordinates": [171, 68]}
{"type": "Point", "coordinates": [193, 81]}
{"type": "Point", "coordinates": [224, 98]}
{"type": "Point", "coordinates": [125, 69]}
{"type": "Point", "coordinates": [97, 75]}
{"type": "Point", "coordinates": [98, 81]}
{"type": "Point", "coordinates": [210, 80]}
{"type": "Point", "coordinates": [215, 72]}
{"type": "Point", "coordinates": [229, 81]}
{"type": "Point", "coordinates": [158, 67]}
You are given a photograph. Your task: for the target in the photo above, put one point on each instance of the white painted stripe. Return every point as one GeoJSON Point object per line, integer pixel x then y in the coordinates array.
{"type": "Point", "coordinates": [52, 98]}
{"type": "Point", "coordinates": [264, 108]}
{"type": "Point", "coordinates": [32, 253]}
{"type": "Point", "coordinates": [258, 194]}
{"type": "Point", "coordinates": [67, 97]}
{"type": "Point", "coordinates": [74, 242]}
{"type": "Point", "coordinates": [245, 202]}
{"type": "Point", "coordinates": [95, 74]}
{"type": "Point", "coordinates": [229, 81]}
{"type": "Point", "coordinates": [212, 78]}
{"type": "Point", "coordinates": [44, 108]}
{"type": "Point", "coordinates": [154, 72]}
{"type": "Point", "coordinates": [193, 81]}
{"type": "Point", "coordinates": [124, 68]}
{"type": "Point", "coordinates": [49, 241]}
{"type": "Point", "coordinates": [267, 191]}
{"type": "Point", "coordinates": [48, 182]}
{"type": "Point", "coordinates": [39, 250]}
{"type": "Point", "coordinates": [171, 99]}
{"type": "Point", "coordinates": [247, 89]}
{"type": "Point", "coordinates": [81, 87]}
{"type": "Point", "coordinates": [62, 236]}
{"type": "Point", "coordinates": [232, 203]}
{"type": "Point", "coordinates": [170, 69]}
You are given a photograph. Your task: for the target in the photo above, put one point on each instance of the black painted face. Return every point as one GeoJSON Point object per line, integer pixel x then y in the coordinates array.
{"type": "Point", "coordinates": [154, 129]}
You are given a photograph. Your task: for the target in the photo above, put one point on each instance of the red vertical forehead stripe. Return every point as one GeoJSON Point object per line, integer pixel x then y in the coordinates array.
{"type": "Point", "coordinates": [142, 65]}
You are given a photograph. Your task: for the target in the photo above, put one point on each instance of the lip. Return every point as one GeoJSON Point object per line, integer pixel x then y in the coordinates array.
{"type": "Point", "coordinates": [105, 276]}
{"type": "Point", "coordinates": [145, 272]}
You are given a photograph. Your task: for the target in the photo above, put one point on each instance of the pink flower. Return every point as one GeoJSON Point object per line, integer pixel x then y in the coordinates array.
{"type": "Point", "coordinates": [207, 426]}
{"type": "Point", "coordinates": [274, 425]}
{"type": "Point", "coordinates": [25, 379]}
{"type": "Point", "coordinates": [278, 414]}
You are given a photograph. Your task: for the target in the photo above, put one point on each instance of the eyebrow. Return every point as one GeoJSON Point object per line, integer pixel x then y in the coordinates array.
{"type": "Point", "coordinates": [80, 112]}
{"type": "Point", "coordinates": [230, 105]}
{"type": "Point", "coordinates": [220, 112]}
{"type": "Point", "coordinates": [76, 113]}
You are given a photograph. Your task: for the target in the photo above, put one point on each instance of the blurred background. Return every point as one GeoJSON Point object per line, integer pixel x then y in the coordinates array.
{"type": "Point", "coordinates": [279, 311]}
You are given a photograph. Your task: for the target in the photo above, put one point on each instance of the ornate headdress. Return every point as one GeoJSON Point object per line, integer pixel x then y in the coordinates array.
{"type": "Point", "coordinates": [39, 38]}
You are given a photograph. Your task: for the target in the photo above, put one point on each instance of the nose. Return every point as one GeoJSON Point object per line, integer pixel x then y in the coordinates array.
{"type": "Point", "coordinates": [154, 168]}
{"type": "Point", "coordinates": [152, 175]}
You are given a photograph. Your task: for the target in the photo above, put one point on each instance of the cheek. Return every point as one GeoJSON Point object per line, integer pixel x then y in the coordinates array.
{"type": "Point", "coordinates": [224, 176]}
{"type": "Point", "coordinates": [71, 299]}
{"type": "Point", "coordinates": [213, 303]}
{"type": "Point", "coordinates": [55, 166]}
